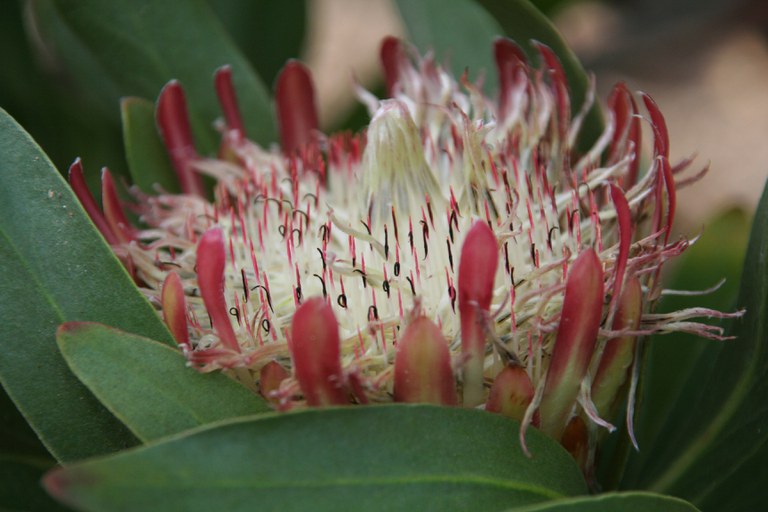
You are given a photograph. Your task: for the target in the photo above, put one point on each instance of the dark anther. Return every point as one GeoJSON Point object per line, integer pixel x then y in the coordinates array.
{"type": "Point", "coordinates": [298, 294]}
{"type": "Point", "coordinates": [394, 223]}
{"type": "Point", "coordinates": [450, 254]}
{"type": "Point", "coordinates": [325, 294]}
{"type": "Point", "coordinates": [373, 313]}
{"type": "Point", "coordinates": [506, 255]}
{"type": "Point", "coordinates": [266, 325]}
{"type": "Point", "coordinates": [245, 286]}
{"type": "Point", "coordinates": [281, 230]}
{"type": "Point", "coordinates": [410, 239]}
{"type": "Point", "coordinates": [367, 227]}
{"type": "Point", "coordinates": [533, 254]}
{"type": "Point", "coordinates": [269, 297]}
{"type": "Point", "coordinates": [413, 288]}
{"type": "Point", "coordinates": [323, 232]}
{"type": "Point", "coordinates": [385, 286]}
{"type": "Point", "coordinates": [549, 235]}
{"type": "Point", "coordinates": [341, 300]}
{"type": "Point", "coordinates": [386, 244]}
{"type": "Point", "coordinates": [362, 274]}
{"type": "Point", "coordinates": [452, 295]}
{"type": "Point", "coordinates": [235, 313]}
{"type": "Point", "coordinates": [570, 220]}
{"type": "Point", "coordinates": [322, 258]}
{"type": "Point", "coordinates": [297, 230]}
{"type": "Point", "coordinates": [397, 268]}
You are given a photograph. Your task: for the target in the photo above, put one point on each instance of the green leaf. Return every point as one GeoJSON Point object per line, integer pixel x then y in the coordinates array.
{"type": "Point", "coordinates": [55, 267]}
{"type": "Point", "coordinates": [611, 502]}
{"type": "Point", "coordinates": [147, 157]}
{"type": "Point", "coordinates": [20, 488]}
{"type": "Point", "coordinates": [674, 363]}
{"type": "Point", "coordinates": [393, 457]}
{"type": "Point", "coordinates": [716, 431]}
{"type": "Point", "coordinates": [268, 32]}
{"type": "Point", "coordinates": [464, 30]}
{"type": "Point", "coordinates": [147, 385]}
{"type": "Point", "coordinates": [140, 45]}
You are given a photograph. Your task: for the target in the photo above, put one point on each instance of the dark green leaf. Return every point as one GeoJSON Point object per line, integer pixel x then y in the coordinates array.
{"type": "Point", "coordinates": [612, 502]}
{"type": "Point", "coordinates": [268, 32]}
{"type": "Point", "coordinates": [675, 362]}
{"type": "Point", "coordinates": [148, 160]}
{"type": "Point", "coordinates": [55, 267]}
{"type": "Point", "coordinates": [20, 488]}
{"type": "Point", "coordinates": [464, 30]}
{"type": "Point", "coordinates": [141, 45]}
{"type": "Point", "coordinates": [716, 431]}
{"type": "Point", "coordinates": [147, 385]}
{"type": "Point", "coordinates": [395, 457]}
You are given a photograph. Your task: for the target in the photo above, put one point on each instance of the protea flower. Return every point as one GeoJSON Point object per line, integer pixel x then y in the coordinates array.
{"type": "Point", "coordinates": [458, 251]}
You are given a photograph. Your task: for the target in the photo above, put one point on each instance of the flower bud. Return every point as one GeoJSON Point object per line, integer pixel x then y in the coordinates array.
{"type": "Point", "coordinates": [511, 393]}
{"type": "Point", "coordinates": [423, 371]}
{"type": "Point", "coordinates": [211, 261]}
{"type": "Point", "coordinates": [575, 342]}
{"type": "Point", "coordinates": [619, 352]}
{"type": "Point", "coordinates": [295, 103]}
{"type": "Point", "coordinates": [175, 309]}
{"type": "Point", "coordinates": [315, 350]}
{"type": "Point", "coordinates": [477, 271]}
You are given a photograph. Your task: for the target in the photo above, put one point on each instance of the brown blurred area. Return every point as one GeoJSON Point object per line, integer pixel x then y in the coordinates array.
{"type": "Point", "coordinates": [705, 62]}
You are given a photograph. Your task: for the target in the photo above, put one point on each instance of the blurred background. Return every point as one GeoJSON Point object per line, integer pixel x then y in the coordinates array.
{"type": "Point", "coordinates": [704, 61]}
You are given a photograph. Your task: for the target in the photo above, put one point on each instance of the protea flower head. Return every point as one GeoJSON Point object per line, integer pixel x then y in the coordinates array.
{"type": "Point", "coordinates": [460, 250]}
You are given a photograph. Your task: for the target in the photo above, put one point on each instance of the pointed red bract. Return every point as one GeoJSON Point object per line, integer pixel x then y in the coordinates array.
{"type": "Point", "coordinates": [296, 111]}
{"type": "Point", "coordinates": [113, 210]}
{"type": "Point", "coordinates": [228, 101]}
{"type": "Point", "coordinates": [423, 371]}
{"type": "Point", "coordinates": [80, 188]}
{"type": "Point", "coordinates": [392, 57]}
{"type": "Point", "coordinates": [316, 353]}
{"type": "Point", "coordinates": [211, 261]}
{"type": "Point", "coordinates": [660, 132]}
{"type": "Point", "coordinates": [511, 393]}
{"type": "Point", "coordinates": [624, 217]}
{"type": "Point", "coordinates": [511, 65]}
{"type": "Point", "coordinates": [175, 309]}
{"type": "Point", "coordinates": [628, 131]}
{"type": "Point", "coordinates": [575, 341]}
{"type": "Point", "coordinates": [270, 377]}
{"type": "Point", "coordinates": [176, 132]}
{"type": "Point", "coordinates": [477, 272]}
{"type": "Point", "coordinates": [560, 84]}
{"type": "Point", "coordinates": [619, 352]}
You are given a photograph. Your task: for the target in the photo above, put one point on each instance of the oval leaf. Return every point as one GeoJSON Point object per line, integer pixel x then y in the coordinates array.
{"type": "Point", "coordinates": [611, 502]}
{"type": "Point", "coordinates": [140, 45]}
{"type": "Point", "coordinates": [55, 267]}
{"type": "Point", "coordinates": [148, 161]}
{"type": "Point", "coordinates": [394, 457]}
{"type": "Point", "coordinates": [147, 385]}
